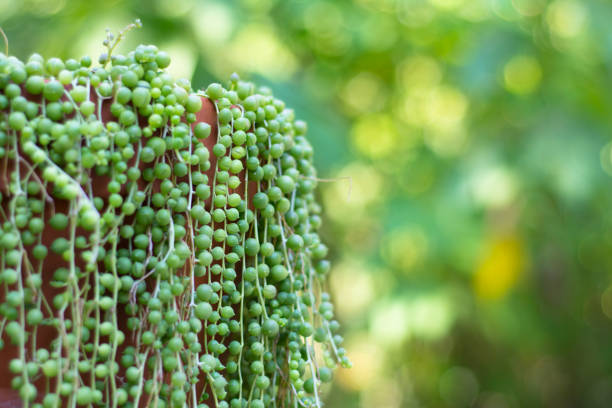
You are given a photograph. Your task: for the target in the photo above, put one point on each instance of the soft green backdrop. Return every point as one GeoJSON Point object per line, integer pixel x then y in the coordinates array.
{"type": "Point", "coordinates": [469, 140]}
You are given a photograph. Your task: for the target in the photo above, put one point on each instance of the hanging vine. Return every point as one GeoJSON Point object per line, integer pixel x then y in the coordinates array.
{"type": "Point", "coordinates": [167, 269]}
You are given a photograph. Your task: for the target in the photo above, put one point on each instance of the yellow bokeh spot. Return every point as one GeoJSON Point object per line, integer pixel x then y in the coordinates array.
{"type": "Point", "coordinates": [425, 102]}
{"type": "Point", "coordinates": [423, 316]}
{"type": "Point", "coordinates": [375, 135]}
{"type": "Point", "coordinates": [366, 356]}
{"type": "Point", "coordinates": [522, 75]}
{"type": "Point", "coordinates": [566, 18]}
{"type": "Point", "coordinates": [419, 71]}
{"type": "Point", "coordinates": [212, 22]}
{"type": "Point", "coordinates": [500, 268]}
{"type": "Point", "coordinates": [390, 321]}
{"type": "Point", "coordinates": [258, 48]}
{"type": "Point", "coordinates": [411, 107]}
{"type": "Point", "coordinates": [354, 285]}
{"type": "Point", "coordinates": [405, 248]}
{"type": "Point", "coordinates": [353, 188]}
{"type": "Point", "coordinates": [431, 316]}
{"type": "Point", "coordinates": [494, 186]}
{"type": "Point", "coordinates": [363, 93]}
{"type": "Point", "coordinates": [446, 107]}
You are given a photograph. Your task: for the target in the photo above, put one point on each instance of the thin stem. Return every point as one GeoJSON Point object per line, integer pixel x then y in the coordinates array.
{"type": "Point", "coordinates": [111, 42]}
{"type": "Point", "coordinates": [6, 42]}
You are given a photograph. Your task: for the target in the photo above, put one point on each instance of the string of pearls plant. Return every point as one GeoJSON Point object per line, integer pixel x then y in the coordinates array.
{"type": "Point", "coordinates": [212, 256]}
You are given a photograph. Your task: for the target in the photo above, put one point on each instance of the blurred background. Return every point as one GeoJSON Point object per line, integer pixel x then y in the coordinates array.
{"type": "Point", "coordinates": [472, 246]}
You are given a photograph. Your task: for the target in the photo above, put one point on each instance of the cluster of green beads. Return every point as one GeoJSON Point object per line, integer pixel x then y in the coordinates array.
{"type": "Point", "coordinates": [220, 277]}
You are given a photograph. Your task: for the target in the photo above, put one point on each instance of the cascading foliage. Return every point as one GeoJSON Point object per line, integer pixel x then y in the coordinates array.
{"type": "Point", "coordinates": [184, 276]}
